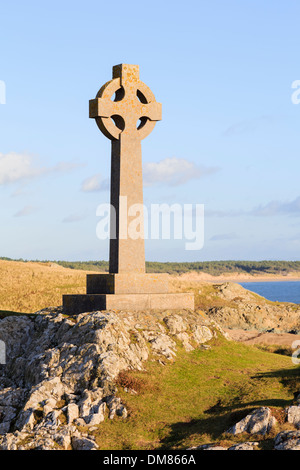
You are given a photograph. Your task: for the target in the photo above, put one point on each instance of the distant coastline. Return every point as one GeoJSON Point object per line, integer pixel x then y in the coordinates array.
{"type": "Point", "coordinates": [201, 271]}
{"type": "Point", "coordinates": [237, 277]}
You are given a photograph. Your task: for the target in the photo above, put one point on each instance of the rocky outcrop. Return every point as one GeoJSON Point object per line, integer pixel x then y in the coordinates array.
{"type": "Point", "coordinates": [241, 446]}
{"type": "Point", "coordinates": [60, 371]}
{"type": "Point", "coordinates": [246, 310]}
{"type": "Point", "coordinates": [59, 380]}
{"type": "Point", "coordinates": [287, 440]}
{"type": "Point", "coordinates": [260, 421]}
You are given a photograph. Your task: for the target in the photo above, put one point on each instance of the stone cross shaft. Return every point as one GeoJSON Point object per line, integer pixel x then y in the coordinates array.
{"type": "Point", "coordinates": [126, 112]}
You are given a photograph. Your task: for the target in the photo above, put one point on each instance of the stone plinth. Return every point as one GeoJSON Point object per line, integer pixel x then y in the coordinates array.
{"type": "Point", "coordinates": [127, 291]}
{"type": "Point", "coordinates": [75, 304]}
{"type": "Point", "coordinates": [127, 283]}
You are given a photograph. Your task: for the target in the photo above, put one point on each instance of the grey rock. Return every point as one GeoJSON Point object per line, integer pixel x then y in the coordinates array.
{"type": "Point", "coordinates": [293, 415]}
{"type": "Point", "coordinates": [287, 440]}
{"type": "Point", "coordinates": [116, 408]}
{"type": "Point", "coordinates": [48, 405]}
{"type": "Point", "coordinates": [52, 419]}
{"type": "Point", "coordinates": [16, 332]}
{"type": "Point", "coordinates": [161, 344]}
{"type": "Point", "coordinates": [72, 411]}
{"type": "Point", "coordinates": [201, 334]}
{"type": "Point", "coordinates": [96, 416]}
{"type": "Point", "coordinates": [240, 446]}
{"type": "Point", "coordinates": [11, 397]}
{"type": "Point", "coordinates": [260, 421]}
{"type": "Point", "coordinates": [91, 407]}
{"type": "Point", "coordinates": [176, 324]}
{"type": "Point", "coordinates": [83, 443]}
{"type": "Point", "coordinates": [208, 447]}
{"type": "Point", "coordinates": [25, 421]}
{"type": "Point", "coordinates": [4, 427]}
{"type": "Point", "coordinates": [244, 446]}
{"type": "Point", "coordinates": [63, 436]}
{"type": "Point", "coordinates": [48, 389]}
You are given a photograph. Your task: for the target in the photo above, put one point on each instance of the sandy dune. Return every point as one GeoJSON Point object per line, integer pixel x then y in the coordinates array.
{"type": "Point", "coordinates": [254, 337]}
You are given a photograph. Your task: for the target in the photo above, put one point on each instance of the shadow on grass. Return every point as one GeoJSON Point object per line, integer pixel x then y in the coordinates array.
{"type": "Point", "coordinates": [212, 427]}
{"type": "Point", "coordinates": [236, 410]}
{"type": "Point", "coordinates": [222, 416]}
{"type": "Point", "coordinates": [8, 313]}
{"type": "Point", "coordinates": [215, 425]}
{"type": "Point", "coordinates": [290, 378]}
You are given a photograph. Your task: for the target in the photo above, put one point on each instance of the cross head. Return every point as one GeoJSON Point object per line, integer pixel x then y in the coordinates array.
{"type": "Point", "coordinates": [133, 111]}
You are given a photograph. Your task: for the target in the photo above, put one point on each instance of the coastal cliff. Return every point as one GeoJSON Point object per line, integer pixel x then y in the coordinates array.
{"type": "Point", "coordinates": [243, 309]}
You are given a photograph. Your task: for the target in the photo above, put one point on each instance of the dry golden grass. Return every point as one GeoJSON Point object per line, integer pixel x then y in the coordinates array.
{"type": "Point", "coordinates": [205, 293]}
{"type": "Point", "coordinates": [29, 287]}
{"type": "Point", "coordinates": [32, 286]}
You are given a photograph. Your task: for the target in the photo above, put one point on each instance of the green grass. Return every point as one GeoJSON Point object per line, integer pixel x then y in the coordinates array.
{"type": "Point", "coordinates": [195, 399]}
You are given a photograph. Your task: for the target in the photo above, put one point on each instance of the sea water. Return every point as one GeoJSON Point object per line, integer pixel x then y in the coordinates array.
{"type": "Point", "coordinates": [277, 291]}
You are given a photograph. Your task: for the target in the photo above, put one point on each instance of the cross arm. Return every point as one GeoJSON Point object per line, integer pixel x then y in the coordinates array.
{"type": "Point", "coordinates": [101, 107]}
{"type": "Point", "coordinates": [152, 111]}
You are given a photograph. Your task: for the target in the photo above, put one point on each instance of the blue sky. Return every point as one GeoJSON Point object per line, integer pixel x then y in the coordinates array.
{"type": "Point", "coordinates": [229, 137]}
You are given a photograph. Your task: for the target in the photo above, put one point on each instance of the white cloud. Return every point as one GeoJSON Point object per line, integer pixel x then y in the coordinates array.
{"type": "Point", "coordinates": [63, 167]}
{"type": "Point", "coordinates": [21, 190]}
{"type": "Point", "coordinates": [278, 207]}
{"type": "Point", "coordinates": [95, 183]}
{"type": "Point", "coordinates": [272, 208]}
{"type": "Point", "coordinates": [248, 126]}
{"type": "Point", "coordinates": [170, 171]}
{"type": "Point", "coordinates": [17, 167]}
{"type": "Point", "coordinates": [74, 218]}
{"type": "Point", "coordinates": [173, 172]}
{"type": "Point", "coordinates": [27, 210]}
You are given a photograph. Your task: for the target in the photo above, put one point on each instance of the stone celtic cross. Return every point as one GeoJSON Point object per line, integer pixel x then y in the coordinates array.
{"type": "Point", "coordinates": [126, 112]}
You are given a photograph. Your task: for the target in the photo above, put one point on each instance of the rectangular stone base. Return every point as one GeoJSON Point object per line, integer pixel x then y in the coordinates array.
{"type": "Point", "coordinates": [127, 283]}
{"type": "Point", "coordinates": [75, 304]}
